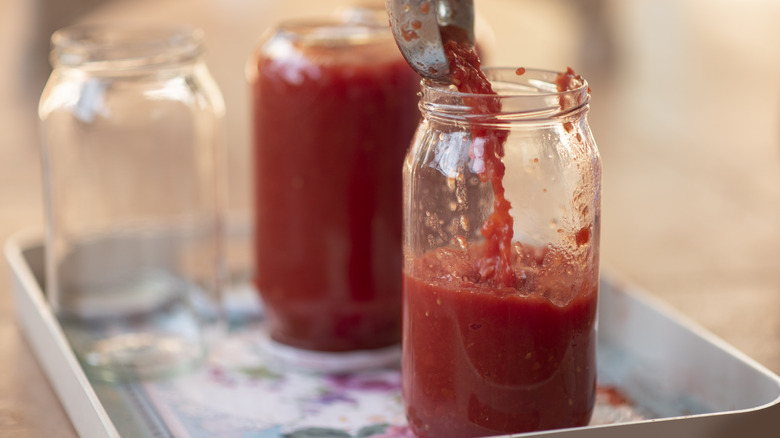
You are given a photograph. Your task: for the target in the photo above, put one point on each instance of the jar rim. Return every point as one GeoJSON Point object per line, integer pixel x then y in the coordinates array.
{"type": "Point", "coordinates": [125, 46]}
{"type": "Point", "coordinates": [333, 31]}
{"type": "Point", "coordinates": [533, 93]}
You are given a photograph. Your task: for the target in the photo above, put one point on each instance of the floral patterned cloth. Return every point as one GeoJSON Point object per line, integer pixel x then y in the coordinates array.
{"type": "Point", "coordinates": [242, 392]}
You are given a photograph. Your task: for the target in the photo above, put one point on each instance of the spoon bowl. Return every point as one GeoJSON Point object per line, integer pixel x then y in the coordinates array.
{"type": "Point", "coordinates": [417, 25]}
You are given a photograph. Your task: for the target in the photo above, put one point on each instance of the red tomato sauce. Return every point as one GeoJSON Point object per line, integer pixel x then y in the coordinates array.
{"type": "Point", "coordinates": [331, 130]}
{"type": "Point", "coordinates": [482, 360]}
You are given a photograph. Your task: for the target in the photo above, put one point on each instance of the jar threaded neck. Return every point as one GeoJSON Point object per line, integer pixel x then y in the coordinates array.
{"type": "Point", "coordinates": [96, 47]}
{"type": "Point", "coordinates": [531, 96]}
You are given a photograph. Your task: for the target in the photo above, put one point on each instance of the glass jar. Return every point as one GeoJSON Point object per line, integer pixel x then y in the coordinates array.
{"type": "Point", "coordinates": [132, 147]}
{"type": "Point", "coordinates": [334, 110]}
{"type": "Point", "coordinates": [500, 337]}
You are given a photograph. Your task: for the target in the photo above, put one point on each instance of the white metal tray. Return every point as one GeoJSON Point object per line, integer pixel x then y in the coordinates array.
{"type": "Point", "coordinates": [659, 376]}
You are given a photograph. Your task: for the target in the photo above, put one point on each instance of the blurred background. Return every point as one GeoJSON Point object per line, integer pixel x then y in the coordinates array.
{"type": "Point", "coordinates": [685, 109]}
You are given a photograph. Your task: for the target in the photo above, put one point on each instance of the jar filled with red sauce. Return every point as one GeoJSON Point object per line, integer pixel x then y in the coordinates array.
{"type": "Point", "coordinates": [501, 258]}
{"type": "Point", "coordinates": [334, 110]}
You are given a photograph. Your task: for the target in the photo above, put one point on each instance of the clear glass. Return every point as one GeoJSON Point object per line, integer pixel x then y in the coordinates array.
{"type": "Point", "coordinates": [131, 125]}
{"type": "Point", "coordinates": [334, 110]}
{"type": "Point", "coordinates": [483, 356]}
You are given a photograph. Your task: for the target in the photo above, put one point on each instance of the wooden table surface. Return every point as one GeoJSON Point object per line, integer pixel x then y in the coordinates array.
{"type": "Point", "coordinates": [685, 110]}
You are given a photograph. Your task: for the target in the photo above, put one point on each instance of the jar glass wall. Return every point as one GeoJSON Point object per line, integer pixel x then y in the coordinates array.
{"type": "Point", "coordinates": [131, 124]}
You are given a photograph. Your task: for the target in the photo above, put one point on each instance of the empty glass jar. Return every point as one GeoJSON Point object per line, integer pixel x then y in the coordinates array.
{"type": "Point", "coordinates": [132, 147]}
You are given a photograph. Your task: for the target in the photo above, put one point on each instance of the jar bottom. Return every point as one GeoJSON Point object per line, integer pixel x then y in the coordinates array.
{"type": "Point", "coordinates": [132, 356]}
{"type": "Point", "coordinates": [298, 359]}
{"type": "Point", "coordinates": [142, 357]}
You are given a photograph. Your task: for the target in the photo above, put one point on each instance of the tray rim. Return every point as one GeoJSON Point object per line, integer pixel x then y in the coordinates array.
{"type": "Point", "coordinates": [90, 418]}
{"type": "Point", "coordinates": [50, 346]}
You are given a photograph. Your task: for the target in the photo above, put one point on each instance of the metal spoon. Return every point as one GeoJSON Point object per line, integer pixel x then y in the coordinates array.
{"type": "Point", "coordinates": [417, 28]}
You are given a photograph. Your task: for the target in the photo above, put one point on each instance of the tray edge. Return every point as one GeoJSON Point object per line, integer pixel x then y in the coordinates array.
{"type": "Point", "coordinates": [90, 418]}
{"type": "Point", "coordinates": [51, 348]}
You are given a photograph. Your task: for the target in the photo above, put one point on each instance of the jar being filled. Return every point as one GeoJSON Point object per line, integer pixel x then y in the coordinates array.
{"type": "Point", "coordinates": [334, 110]}
{"type": "Point", "coordinates": [501, 246]}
